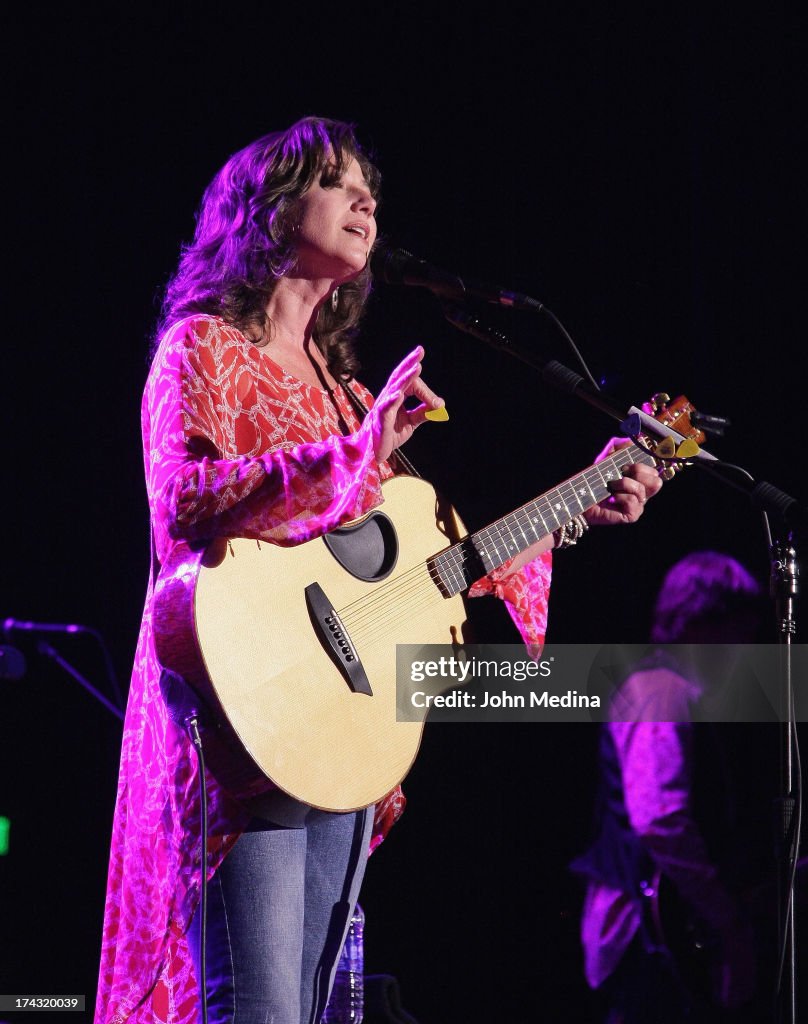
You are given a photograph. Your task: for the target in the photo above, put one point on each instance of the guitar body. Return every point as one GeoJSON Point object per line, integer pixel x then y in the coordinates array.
{"type": "Point", "coordinates": [237, 623]}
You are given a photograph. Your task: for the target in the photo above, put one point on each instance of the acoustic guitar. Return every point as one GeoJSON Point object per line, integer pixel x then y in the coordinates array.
{"type": "Point", "coordinates": [289, 653]}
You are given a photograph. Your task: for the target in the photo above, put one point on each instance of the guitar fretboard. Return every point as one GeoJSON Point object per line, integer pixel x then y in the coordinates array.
{"type": "Point", "coordinates": [455, 569]}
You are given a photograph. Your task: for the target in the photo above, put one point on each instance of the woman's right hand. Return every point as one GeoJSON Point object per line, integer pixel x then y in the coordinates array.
{"type": "Point", "coordinates": [389, 422]}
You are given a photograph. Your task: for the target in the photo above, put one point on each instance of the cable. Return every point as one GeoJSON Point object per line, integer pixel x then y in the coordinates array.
{"type": "Point", "coordinates": [111, 673]}
{"type": "Point", "coordinates": [794, 847]}
{"type": "Point", "coordinates": [192, 727]}
{"type": "Point", "coordinates": [568, 337]}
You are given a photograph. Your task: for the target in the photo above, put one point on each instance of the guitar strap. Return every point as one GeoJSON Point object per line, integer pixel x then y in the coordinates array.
{"type": "Point", "coordinates": [403, 464]}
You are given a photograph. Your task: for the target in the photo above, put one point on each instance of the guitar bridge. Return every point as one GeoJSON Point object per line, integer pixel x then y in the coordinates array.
{"type": "Point", "coordinates": [334, 638]}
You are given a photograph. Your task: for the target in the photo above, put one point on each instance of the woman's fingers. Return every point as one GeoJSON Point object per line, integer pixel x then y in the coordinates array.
{"type": "Point", "coordinates": [406, 371]}
{"type": "Point", "coordinates": [429, 402]}
{"type": "Point", "coordinates": [630, 493]}
{"type": "Point", "coordinates": [393, 422]}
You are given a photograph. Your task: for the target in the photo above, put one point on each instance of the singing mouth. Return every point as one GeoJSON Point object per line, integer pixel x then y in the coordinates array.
{"type": "Point", "coordinates": [359, 229]}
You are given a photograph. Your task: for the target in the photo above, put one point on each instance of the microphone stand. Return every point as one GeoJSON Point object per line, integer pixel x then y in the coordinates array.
{"type": "Point", "coordinates": [11, 625]}
{"type": "Point", "coordinates": [784, 590]}
{"type": "Point", "coordinates": [50, 652]}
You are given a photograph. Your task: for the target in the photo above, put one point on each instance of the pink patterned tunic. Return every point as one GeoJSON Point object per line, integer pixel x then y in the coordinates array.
{"type": "Point", "coordinates": [233, 447]}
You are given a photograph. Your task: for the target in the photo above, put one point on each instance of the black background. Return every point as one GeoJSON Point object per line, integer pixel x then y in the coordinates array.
{"type": "Point", "coordinates": [638, 168]}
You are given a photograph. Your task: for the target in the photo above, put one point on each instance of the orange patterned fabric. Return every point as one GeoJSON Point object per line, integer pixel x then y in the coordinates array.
{"type": "Point", "coordinates": [233, 447]}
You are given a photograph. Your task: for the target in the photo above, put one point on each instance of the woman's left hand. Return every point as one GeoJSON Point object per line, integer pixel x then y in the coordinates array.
{"type": "Point", "coordinates": [629, 494]}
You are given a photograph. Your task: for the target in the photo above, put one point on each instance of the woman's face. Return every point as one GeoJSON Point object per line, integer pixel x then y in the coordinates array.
{"type": "Point", "coordinates": [336, 227]}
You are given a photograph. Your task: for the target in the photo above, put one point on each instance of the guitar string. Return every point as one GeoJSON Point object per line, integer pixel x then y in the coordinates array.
{"type": "Point", "coordinates": [405, 596]}
{"type": "Point", "coordinates": [547, 505]}
{"type": "Point", "coordinates": [370, 615]}
{"type": "Point", "coordinates": [395, 614]}
{"type": "Point", "coordinates": [374, 614]}
{"type": "Point", "coordinates": [389, 590]}
{"type": "Point", "coordinates": [392, 600]}
{"type": "Point", "coordinates": [369, 606]}
{"type": "Point", "coordinates": [375, 617]}
{"type": "Point", "coordinates": [377, 608]}
{"type": "Point", "coordinates": [411, 611]}
{"type": "Point", "coordinates": [376, 602]}
{"type": "Point", "coordinates": [453, 560]}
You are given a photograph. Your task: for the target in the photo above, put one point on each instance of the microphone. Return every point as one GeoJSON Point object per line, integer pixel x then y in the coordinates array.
{"type": "Point", "coordinates": [397, 266]}
{"type": "Point", "coordinates": [42, 627]}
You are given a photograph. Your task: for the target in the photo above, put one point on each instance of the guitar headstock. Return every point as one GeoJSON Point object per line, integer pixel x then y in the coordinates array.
{"type": "Point", "coordinates": [676, 414]}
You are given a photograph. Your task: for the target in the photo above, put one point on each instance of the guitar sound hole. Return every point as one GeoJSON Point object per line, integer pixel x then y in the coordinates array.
{"type": "Point", "coordinates": [368, 550]}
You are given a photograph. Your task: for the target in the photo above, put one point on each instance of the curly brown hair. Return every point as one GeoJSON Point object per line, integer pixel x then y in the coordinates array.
{"type": "Point", "coordinates": [242, 243]}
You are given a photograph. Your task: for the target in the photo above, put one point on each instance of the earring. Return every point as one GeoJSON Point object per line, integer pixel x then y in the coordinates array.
{"type": "Point", "coordinates": [335, 299]}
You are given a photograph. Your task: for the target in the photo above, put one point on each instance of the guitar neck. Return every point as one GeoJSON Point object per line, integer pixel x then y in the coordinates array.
{"type": "Point", "coordinates": [456, 568]}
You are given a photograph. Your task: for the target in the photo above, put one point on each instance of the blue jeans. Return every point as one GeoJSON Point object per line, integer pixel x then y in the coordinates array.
{"type": "Point", "coordinates": [278, 912]}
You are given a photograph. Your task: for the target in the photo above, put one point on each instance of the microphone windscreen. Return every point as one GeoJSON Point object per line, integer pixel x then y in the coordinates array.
{"type": "Point", "coordinates": [388, 264]}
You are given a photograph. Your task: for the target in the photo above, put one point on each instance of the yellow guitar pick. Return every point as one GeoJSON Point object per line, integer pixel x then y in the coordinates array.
{"type": "Point", "coordinates": [665, 449]}
{"type": "Point", "coordinates": [437, 415]}
{"type": "Point", "coordinates": [687, 449]}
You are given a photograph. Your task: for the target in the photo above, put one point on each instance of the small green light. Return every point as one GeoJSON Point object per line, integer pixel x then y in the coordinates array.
{"type": "Point", "coordinates": [5, 828]}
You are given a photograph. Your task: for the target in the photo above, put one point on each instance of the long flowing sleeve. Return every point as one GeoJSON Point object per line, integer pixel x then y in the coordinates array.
{"type": "Point", "coordinates": [526, 594]}
{"type": "Point", "coordinates": [205, 476]}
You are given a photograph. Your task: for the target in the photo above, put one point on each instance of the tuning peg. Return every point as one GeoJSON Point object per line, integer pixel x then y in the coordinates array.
{"type": "Point", "coordinates": [673, 457]}
{"type": "Point", "coordinates": [659, 402]}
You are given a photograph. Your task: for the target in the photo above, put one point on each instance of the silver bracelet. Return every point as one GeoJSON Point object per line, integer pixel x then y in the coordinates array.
{"type": "Point", "coordinates": [570, 533]}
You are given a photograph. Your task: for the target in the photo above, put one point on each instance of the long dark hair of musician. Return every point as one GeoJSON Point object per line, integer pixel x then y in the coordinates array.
{"type": "Point", "coordinates": [244, 235]}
